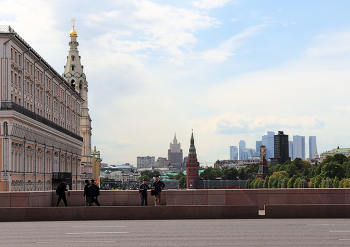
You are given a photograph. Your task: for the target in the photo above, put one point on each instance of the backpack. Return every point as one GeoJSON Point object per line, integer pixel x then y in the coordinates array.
{"type": "Point", "coordinates": [58, 189]}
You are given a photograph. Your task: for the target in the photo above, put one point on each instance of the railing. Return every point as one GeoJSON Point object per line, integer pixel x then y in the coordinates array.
{"type": "Point", "coordinates": [32, 115]}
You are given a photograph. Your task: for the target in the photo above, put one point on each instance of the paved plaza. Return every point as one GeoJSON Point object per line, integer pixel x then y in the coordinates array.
{"type": "Point", "coordinates": [257, 232]}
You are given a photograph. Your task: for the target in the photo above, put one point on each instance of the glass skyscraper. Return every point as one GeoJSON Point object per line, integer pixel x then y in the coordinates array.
{"type": "Point", "coordinates": [299, 147]}
{"type": "Point", "coordinates": [312, 146]}
{"type": "Point", "coordinates": [268, 142]}
{"type": "Point", "coordinates": [291, 149]}
{"type": "Point", "coordinates": [241, 149]}
{"type": "Point", "coordinates": [233, 153]}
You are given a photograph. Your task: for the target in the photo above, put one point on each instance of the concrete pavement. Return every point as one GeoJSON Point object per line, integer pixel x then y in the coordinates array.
{"type": "Point", "coordinates": [236, 232]}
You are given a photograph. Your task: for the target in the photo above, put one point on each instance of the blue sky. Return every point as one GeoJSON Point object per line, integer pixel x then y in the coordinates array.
{"type": "Point", "coordinates": [229, 69]}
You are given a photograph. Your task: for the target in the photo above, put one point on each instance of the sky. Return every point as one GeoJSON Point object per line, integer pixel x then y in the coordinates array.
{"type": "Point", "coordinates": [230, 70]}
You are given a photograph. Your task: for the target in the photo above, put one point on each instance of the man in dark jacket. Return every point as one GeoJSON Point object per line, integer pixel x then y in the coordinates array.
{"type": "Point", "coordinates": [143, 192]}
{"type": "Point", "coordinates": [158, 186]}
{"type": "Point", "coordinates": [94, 192]}
{"type": "Point", "coordinates": [86, 192]}
{"type": "Point", "coordinates": [61, 192]}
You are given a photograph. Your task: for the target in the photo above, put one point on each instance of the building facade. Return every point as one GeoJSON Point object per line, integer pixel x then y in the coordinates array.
{"type": "Point", "coordinates": [145, 162]}
{"type": "Point", "coordinates": [40, 115]}
{"type": "Point", "coordinates": [242, 149]}
{"type": "Point", "coordinates": [74, 75]}
{"type": "Point", "coordinates": [268, 142]}
{"type": "Point", "coordinates": [281, 149]}
{"type": "Point", "coordinates": [175, 155]}
{"type": "Point", "coordinates": [299, 147]}
{"type": "Point", "coordinates": [345, 151]}
{"type": "Point", "coordinates": [290, 149]}
{"type": "Point", "coordinates": [233, 153]}
{"type": "Point", "coordinates": [312, 147]}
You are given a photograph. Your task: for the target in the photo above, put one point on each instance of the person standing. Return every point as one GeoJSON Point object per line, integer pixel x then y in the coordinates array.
{"type": "Point", "coordinates": [86, 193]}
{"type": "Point", "coordinates": [94, 192]}
{"type": "Point", "coordinates": [158, 186]}
{"type": "Point", "coordinates": [61, 192]}
{"type": "Point", "coordinates": [143, 192]}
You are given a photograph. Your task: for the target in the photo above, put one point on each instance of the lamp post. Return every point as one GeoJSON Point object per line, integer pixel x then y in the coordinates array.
{"type": "Point", "coordinates": [221, 183]}
{"type": "Point", "coordinates": [204, 183]}
{"type": "Point", "coordinates": [226, 184]}
{"type": "Point", "coordinates": [208, 184]}
{"type": "Point", "coordinates": [328, 180]}
{"type": "Point", "coordinates": [302, 182]}
{"type": "Point", "coordinates": [282, 180]}
{"type": "Point", "coordinates": [322, 180]}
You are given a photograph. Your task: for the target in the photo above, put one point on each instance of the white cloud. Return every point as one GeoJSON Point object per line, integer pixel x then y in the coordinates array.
{"type": "Point", "coordinates": [330, 44]}
{"type": "Point", "coordinates": [210, 4]}
{"type": "Point", "coordinates": [144, 26]}
{"type": "Point", "coordinates": [225, 49]}
{"type": "Point", "coordinates": [231, 123]}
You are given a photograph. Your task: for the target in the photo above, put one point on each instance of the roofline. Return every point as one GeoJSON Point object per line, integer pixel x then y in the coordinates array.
{"type": "Point", "coordinates": [12, 31]}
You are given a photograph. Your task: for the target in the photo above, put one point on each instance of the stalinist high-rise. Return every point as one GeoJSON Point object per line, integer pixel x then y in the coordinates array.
{"type": "Point", "coordinates": [74, 75]}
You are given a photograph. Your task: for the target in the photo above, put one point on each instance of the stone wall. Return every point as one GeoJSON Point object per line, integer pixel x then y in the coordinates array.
{"type": "Point", "coordinates": [259, 197]}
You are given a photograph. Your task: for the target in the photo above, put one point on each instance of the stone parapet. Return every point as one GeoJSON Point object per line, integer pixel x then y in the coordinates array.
{"type": "Point", "coordinates": [127, 213]}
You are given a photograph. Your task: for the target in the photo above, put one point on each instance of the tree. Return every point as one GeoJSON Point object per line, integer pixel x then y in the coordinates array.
{"type": "Point", "coordinates": [182, 182]}
{"type": "Point", "coordinates": [339, 158]}
{"type": "Point", "coordinates": [281, 174]}
{"type": "Point", "coordinates": [297, 183]}
{"type": "Point", "coordinates": [332, 170]}
{"type": "Point", "coordinates": [335, 182]}
{"type": "Point", "coordinates": [248, 184]}
{"type": "Point", "coordinates": [292, 181]}
{"type": "Point", "coordinates": [230, 174]}
{"type": "Point", "coordinates": [144, 177]}
{"type": "Point", "coordinates": [266, 182]}
{"type": "Point", "coordinates": [179, 175]}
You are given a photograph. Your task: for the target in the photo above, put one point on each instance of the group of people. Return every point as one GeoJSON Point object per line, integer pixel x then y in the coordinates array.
{"type": "Point", "coordinates": [92, 192]}
{"type": "Point", "coordinates": [157, 187]}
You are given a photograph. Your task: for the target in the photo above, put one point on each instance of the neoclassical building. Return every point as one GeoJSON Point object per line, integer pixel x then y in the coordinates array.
{"type": "Point", "coordinates": [40, 119]}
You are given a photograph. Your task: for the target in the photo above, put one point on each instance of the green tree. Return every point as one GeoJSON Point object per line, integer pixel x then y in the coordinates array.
{"type": "Point", "coordinates": [335, 182]}
{"type": "Point", "coordinates": [339, 158]}
{"type": "Point", "coordinates": [297, 183]}
{"type": "Point", "coordinates": [230, 174]}
{"type": "Point", "coordinates": [179, 175]}
{"type": "Point", "coordinates": [266, 182]}
{"type": "Point", "coordinates": [292, 181]}
{"type": "Point", "coordinates": [248, 184]}
{"type": "Point", "coordinates": [144, 177]}
{"type": "Point", "coordinates": [332, 170]}
{"type": "Point", "coordinates": [182, 182]}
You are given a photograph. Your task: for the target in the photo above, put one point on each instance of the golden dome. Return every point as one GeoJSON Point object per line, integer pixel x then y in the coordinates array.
{"type": "Point", "coordinates": [73, 32]}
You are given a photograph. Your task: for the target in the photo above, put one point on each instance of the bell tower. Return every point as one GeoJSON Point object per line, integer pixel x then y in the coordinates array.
{"type": "Point", "coordinates": [74, 75]}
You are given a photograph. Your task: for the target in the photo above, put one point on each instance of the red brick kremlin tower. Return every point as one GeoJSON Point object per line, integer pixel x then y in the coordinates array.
{"type": "Point", "coordinates": [263, 170]}
{"type": "Point", "coordinates": [192, 166]}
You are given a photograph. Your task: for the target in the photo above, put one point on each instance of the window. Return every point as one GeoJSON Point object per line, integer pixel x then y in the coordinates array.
{"type": "Point", "coordinates": [16, 79]}
{"type": "Point", "coordinates": [41, 78]}
{"type": "Point", "coordinates": [27, 87]}
{"type": "Point", "coordinates": [41, 95]}
{"type": "Point", "coordinates": [11, 53]}
{"type": "Point", "coordinates": [16, 99]}
{"type": "Point", "coordinates": [15, 56]}
{"type": "Point", "coordinates": [19, 81]}
{"type": "Point", "coordinates": [5, 129]}
{"type": "Point", "coordinates": [19, 101]}
{"type": "Point", "coordinates": [72, 67]}
{"type": "Point", "coordinates": [19, 59]}
{"type": "Point", "coordinates": [31, 89]}
{"type": "Point", "coordinates": [72, 58]}
{"type": "Point", "coordinates": [38, 75]}
{"type": "Point", "coordinates": [31, 69]}
{"type": "Point", "coordinates": [27, 67]}
{"type": "Point", "coordinates": [11, 76]}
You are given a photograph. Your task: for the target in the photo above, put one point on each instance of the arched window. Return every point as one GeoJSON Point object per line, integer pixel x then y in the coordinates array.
{"type": "Point", "coordinates": [72, 83]}
{"type": "Point", "coordinates": [5, 129]}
